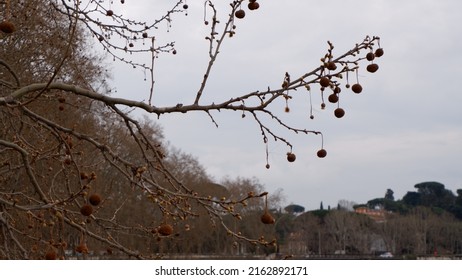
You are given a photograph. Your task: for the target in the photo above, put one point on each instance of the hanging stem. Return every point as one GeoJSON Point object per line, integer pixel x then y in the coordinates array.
{"type": "Point", "coordinates": [153, 57]}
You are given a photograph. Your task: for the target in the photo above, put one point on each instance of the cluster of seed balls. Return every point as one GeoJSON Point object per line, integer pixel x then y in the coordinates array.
{"type": "Point", "coordinates": [87, 209]}
{"type": "Point", "coordinates": [253, 5]}
{"type": "Point", "coordinates": [325, 82]}
{"type": "Point", "coordinates": [322, 153]}
{"type": "Point", "coordinates": [356, 88]}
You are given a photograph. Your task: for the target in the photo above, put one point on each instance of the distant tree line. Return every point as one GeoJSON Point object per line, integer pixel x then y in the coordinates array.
{"type": "Point", "coordinates": [424, 222]}
{"type": "Point", "coordinates": [428, 194]}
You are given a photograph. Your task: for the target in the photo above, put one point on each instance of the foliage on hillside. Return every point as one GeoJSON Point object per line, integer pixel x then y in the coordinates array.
{"type": "Point", "coordinates": [423, 222]}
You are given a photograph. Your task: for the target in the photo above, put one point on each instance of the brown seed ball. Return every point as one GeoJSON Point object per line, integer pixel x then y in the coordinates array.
{"type": "Point", "coordinates": [7, 27]}
{"type": "Point", "coordinates": [145, 35]}
{"type": "Point", "coordinates": [372, 68]}
{"type": "Point", "coordinates": [331, 66]}
{"type": "Point", "coordinates": [333, 98]}
{"type": "Point", "coordinates": [83, 175]}
{"type": "Point", "coordinates": [79, 248]}
{"type": "Point", "coordinates": [131, 45]}
{"type": "Point", "coordinates": [94, 199]}
{"type": "Point", "coordinates": [370, 56]}
{"type": "Point", "coordinates": [86, 210]}
{"type": "Point", "coordinates": [322, 153]}
{"type": "Point", "coordinates": [82, 248]}
{"type": "Point", "coordinates": [267, 166]}
{"type": "Point", "coordinates": [239, 14]}
{"type": "Point", "coordinates": [356, 88]}
{"type": "Point", "coordinates": [379, 52]}
{"type": "Point", "coordinates": [109, 13]}
{"type": "Point", "coordinates": [291, 157]}
{"type": "Point", "coordinates": [185, 6]}
{"type": "Point", "coordinates": [324, 81]}
{"type": "Point", "coordinates": [165, 230]}
{"type": "Point", "coordinates": [267, 219]}
{"type": "Point", "coordinates": [253, 5]}
{"type": "Point", "coordinates": [51, 255]}
{"type": "Point", "coordinates": [339, 112]}
{"type": "Point", "coordinates": [337, 90]}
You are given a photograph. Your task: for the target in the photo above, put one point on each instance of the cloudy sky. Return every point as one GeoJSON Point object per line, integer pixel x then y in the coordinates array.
{"type": "Point", "coordinates": [404, 128]}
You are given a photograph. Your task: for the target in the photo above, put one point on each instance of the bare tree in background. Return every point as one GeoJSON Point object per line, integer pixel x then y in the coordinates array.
{"type": "Point", "coordinates": [78, 172]}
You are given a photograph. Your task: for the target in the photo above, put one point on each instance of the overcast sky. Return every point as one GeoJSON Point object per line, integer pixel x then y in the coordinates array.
{"type": "Point", "coordinates": [404, 128]}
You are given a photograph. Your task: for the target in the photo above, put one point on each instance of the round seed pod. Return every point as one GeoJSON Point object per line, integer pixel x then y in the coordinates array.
{"type": "Point", "coordinates": [267, 219]}
{"type": "Point", "coordinates": [7, 27]}
{"type": "Point", "coordinates": [321, 153]}
{"type": "Point", "coordinates": [253, 5]}
{"type": "Point", "coordinates": [86, 210]}
{"type": "Point", "coordinates": [356, 88]}
{"type": "Point", "coordinates": [239, 14]}
{"type": "Point", "coordinates": [339, 112]}
{"type": "Point", "coordinates": [51, 255]}
{"type": "Point", "coordinates": [331, 66]}
{"type": "Point", "coordinates": [378, 52]}
{"type": "Point", "coordinates": [109, 13]}
{"type": "Point", "coordinates": [83, 176]}
{"type": "Point", "coordinates": [165, 229]}
{"type": "Point", "coordinates": [94, 199]}
{"type": "Point", "coordinates": [324, 81]}
{"type": "Point", "coordinates": [372, 67]}
{"type": "Point", "coordinates": [370, 56]}
{"type": "Point", "coordinates": [333, 98]}
{"type": "Point", "coordinates": [291, 157]}
{"type": "Point", "coordinates": [82, 248]}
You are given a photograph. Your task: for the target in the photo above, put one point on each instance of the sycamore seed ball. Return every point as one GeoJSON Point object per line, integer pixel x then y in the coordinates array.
{"type": "Point", "coordinates": [7, 27]}
{"type": "Point", "coordinates": [339, 112]}
{"type": "Point", "coordinates": [165, 230]}
{"type": "Point", "coordinates": [291, 157]}
{"type": "Point", "coordinates": [357, 88]}
{"type": "Point", "coordinates": [239, 14]}
{"type": "Point", "coordinates": [322, 153]}
{"type": "Point", "coordinates": [267, 219]}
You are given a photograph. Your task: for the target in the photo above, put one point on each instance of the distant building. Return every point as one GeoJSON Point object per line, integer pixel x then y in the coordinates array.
{"type": "Point", "coordinates": [377, 214]}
